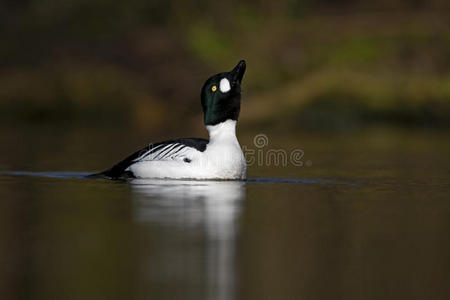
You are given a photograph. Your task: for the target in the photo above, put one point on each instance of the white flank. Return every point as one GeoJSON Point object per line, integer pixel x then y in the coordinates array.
{"type": "Point", "coordinates": [222, 159]}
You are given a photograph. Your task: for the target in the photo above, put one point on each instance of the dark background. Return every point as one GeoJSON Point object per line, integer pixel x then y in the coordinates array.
{"type": "Point", "coordinates": [140, 64]}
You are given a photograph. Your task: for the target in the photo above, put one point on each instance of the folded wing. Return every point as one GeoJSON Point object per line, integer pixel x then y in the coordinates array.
{"type": "Point", "coordinates": [172, 150]}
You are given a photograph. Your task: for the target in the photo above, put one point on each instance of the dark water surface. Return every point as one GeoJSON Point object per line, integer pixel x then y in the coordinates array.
{"type": "Point", "coordinates": [368, 217]}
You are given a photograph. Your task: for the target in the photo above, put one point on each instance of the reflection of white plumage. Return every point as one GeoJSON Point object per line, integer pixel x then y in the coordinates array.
{"type": "Point", "coordinates": [217, 201]}
{"type": "Point", "coordinates": [194, 208]}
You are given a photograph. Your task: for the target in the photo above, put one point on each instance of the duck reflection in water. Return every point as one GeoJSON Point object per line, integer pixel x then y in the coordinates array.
{"type": "Point", "coordinates": [193, 226]}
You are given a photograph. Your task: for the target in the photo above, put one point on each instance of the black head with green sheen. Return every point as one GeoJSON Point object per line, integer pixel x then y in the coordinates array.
{"type": "Point", "coordinates": [221, 96]}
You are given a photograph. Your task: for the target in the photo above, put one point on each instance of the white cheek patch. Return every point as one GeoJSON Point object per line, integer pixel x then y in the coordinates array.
{"type": "Point", "coordinates": [224, 85]}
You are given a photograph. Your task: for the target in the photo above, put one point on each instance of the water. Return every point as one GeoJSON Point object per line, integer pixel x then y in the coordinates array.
{"type": "Point", "coordinates": [367, 218]}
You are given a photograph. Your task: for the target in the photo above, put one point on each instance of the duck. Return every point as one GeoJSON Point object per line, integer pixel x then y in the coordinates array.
{"type": "Point", "coordinates": [218, 158]}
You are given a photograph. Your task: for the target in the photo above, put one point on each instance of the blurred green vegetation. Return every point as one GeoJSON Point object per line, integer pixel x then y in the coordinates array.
{"type": "Point", "coordinates": [317, 65]}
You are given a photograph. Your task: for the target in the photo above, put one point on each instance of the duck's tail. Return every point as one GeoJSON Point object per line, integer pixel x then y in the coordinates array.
{"type": "Point", "coordinates": [101, 175]}
{"type": "Point", "coordinates": [111, 175]}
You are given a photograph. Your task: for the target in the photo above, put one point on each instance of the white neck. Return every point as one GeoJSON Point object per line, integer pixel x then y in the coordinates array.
{"type": "Point", "coordinates": [221, 131]}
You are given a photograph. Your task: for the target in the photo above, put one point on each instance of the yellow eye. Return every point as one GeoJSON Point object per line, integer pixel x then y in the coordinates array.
{"type": "Point", "coordinates": [214, 88]}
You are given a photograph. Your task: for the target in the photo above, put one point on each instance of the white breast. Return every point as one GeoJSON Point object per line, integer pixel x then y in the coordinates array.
{"type": "Point", "coordinates": [223, 153]}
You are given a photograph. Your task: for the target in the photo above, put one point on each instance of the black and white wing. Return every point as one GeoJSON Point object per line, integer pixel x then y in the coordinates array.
{"type": "Point", "coordinates": [179, 149]}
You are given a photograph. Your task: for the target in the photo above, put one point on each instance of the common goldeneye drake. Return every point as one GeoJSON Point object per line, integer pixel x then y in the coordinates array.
{"type": "Point", "coordinates": [194, 158]}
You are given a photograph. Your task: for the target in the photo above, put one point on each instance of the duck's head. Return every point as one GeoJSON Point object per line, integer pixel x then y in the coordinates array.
{"type": "Point", "coordinates": [221, 96]}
